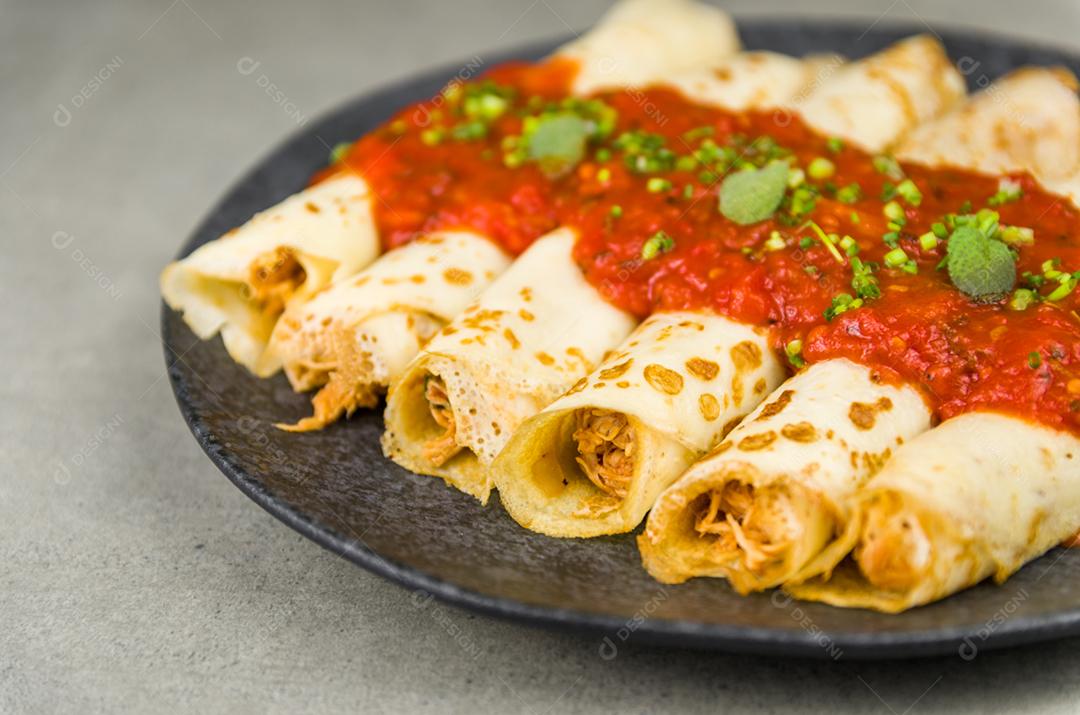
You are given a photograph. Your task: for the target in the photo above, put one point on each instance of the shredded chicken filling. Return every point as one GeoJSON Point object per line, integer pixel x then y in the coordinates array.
{"type": "Point", "coordinates": [605, 443]}
{"type": "Point", "coordinates": [350, 384]}
{"type": "Point", "coordinates": [894, 552]}
{"type": "Point", "coordinates": [274, 277]}
{"type": "Point", "coordinates": [752, 528]}
{"type": "Point", "coordinates": [440, 449]}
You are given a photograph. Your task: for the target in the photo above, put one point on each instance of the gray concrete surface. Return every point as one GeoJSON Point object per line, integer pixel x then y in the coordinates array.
{"type": "Point", "coordinates": [134, 577]}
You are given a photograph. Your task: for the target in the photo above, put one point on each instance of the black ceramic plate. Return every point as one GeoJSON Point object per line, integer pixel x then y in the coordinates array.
{"type": "Point", "coordinates": [336, 488]}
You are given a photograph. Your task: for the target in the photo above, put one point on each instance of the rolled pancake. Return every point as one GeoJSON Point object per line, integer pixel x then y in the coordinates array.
{"type": "Point", "coordinates": [1028, 120]}
{"type": "Point", "coordinates": [239, 284]}
{"type": "Point", "coordinates": [641, 42]}
{"type": "Point", "coordinates": [551, 481]}
{"type": "Point", "coordinates": [594, 461]}
{"type": "Point", "coordinates": [672, 550]}
{"type": "Point", "coordinates": [357, 337]}
{"type": "Point", "coordinates": [767, 500]}
{"type": "Point", "coordinates": [532, 334]}
{"type": "Point", "coordinates": [754, 80]}
{"type": "Point", "coordinates": [980, 495]}
{"type": "Point", "coordinates": [875, 101]}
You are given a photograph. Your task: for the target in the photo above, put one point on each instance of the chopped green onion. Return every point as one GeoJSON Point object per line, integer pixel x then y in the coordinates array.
{"type": "Point", "coordinates": [834, 144]}
{"type": "Point", "coordinates": [805, 242]}
{"type": "Point", "coordinates": [849, 194]}
{"type": "Point", "coordinates": [688, 192]}
{"type": "Point", "coordinates": [487, 105]}
{"type": "Point", "coordinates": [863, 281]}
{"type": "Point", "coordinates": [431, 137]}
{"type": "Point", "coordinates": [928, 241]}
{"type": "Point", "coordinates": [1022, 299]}
{"type": "Point", "coordinates": [893, 211]}
{"type": "Point", "coordinates": [603, 154]}
{"type": "Point", "coordinates": [656, 185]}
{"type": "Point", "coordinates": [841, 304]}
{"type": "Point", "coordinates": [848, 245]}
{"type": "Point", "coordinates": [895, 258]}
{"type": "Point", "coordinates": [339, 151]}
{"type": "Point", "coordinates": [658, 243]}
{"type": "Point", "coordinates": [909, 192]}
{"type": "Point", "coordinates": [616, 211]}
{"type": "Point", "coordinates": [696, 133]}
{"type": "Point", "coordinates": [1017, 235]}
{"type": "Point", "coordinates": [686, 163]}
{"type": "Point", "coordinates": [796, 177]}
{"type": "Point", "coordinates": [820, 168]}
{"type": "Point", "coordinates": [1034, 360]}
{"type": "Point", "coordinates": [775, 242]}
{"type": "Point", "coordinates": [888, 166]}
{"type": "Point", "coordinates": [1066, 287]}
{"type": "Point", "coordinates": [1008, 191]}
{"type": "Point", "coordinates": [794, 353]}
{"type": "Point", "coordinates": [828, 240]}
{"type": "Point", "coordinates": [939, 230]}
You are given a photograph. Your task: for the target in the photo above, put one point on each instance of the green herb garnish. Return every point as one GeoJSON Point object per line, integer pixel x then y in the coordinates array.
{"type": "Point", "coordinates": [753, 195]}
{"type": "Point", "coordinates": [979, 266]}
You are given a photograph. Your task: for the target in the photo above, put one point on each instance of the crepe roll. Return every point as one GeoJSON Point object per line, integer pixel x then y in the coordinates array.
{"type": "Point", "coordinates": [976, 497]}
{"type": "Point", "coordinates": [875, 101]}
{"type": "Point", "coordinates": [774, 495]}
{"type": "Point", "coordinates": [754, 80]}
{"type": "Point", "coordinates": [239, 284]}
{"type": "Point", "coordinates": [594, 461]}
{"type": "Point", "coordinates": [538, 329]}
{"type": "Point", "coordinates": [641, 42]}
{"type": "Point", "coordinates": [357, 337]}
{"type": "Point", "coordinates": [1028, 120]}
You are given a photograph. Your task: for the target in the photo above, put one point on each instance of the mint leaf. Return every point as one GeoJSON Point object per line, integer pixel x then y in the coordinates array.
{"type": "Point", "coordinates": [753, 195]}
{"type": "Point", "coordinates": [557, 142]}
{"type": "Point", "coordinates": [980, 267]}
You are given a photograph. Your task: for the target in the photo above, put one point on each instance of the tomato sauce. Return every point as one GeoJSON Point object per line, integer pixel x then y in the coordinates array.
{"type": "Point", "coordinates": [962, 354]}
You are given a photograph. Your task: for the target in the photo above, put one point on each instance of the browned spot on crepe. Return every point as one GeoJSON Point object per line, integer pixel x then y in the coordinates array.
{"type": "Point", "coordinates": [746, 356]}
{"type": "Point", "coordinates": [754, 442]}
{"type": "Point", "coordinates": [776, 406]}
{"type": "Point", "coordinates": [578, 386]}
{"type": "Point", "coordinates": [457, 276]}
{"type": "Point", "coordinates": [710, 408]}
{"type": "Point", "coordinates": [616, 370]}
{"type": "Point", "coordinates": [663, 379]}
{"type": "Point", "coordinates": [730, 425]}
{"type": "Point", "coordinates": [702, 369]}
{"type": "Point", "coordinates": [720, 449]}
{"type": "Point", "coordinates": [800, 432]}
{"type": "Point", "coordinates": [864, 415]}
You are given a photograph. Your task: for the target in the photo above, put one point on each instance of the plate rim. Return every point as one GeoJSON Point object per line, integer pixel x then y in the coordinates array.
{"type": "Point", "coordinates": [744, 639]}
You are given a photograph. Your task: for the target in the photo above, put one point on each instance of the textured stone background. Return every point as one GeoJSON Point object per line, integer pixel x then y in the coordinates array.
{"type": "Point", "coordinates": [134, 576]}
